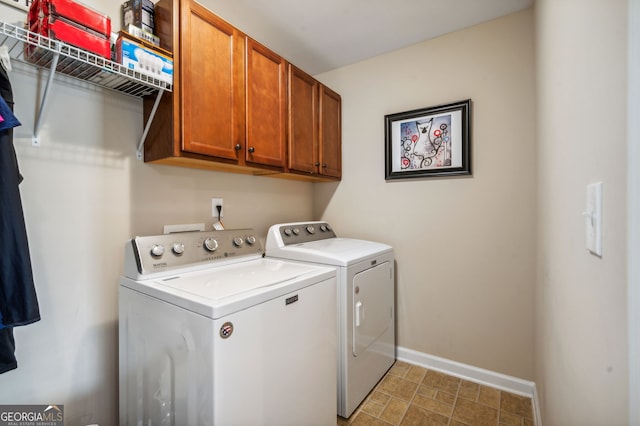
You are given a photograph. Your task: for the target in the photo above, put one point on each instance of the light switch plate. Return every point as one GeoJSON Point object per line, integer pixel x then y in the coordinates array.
{"type": "Point", "coordinates": [593, 218]}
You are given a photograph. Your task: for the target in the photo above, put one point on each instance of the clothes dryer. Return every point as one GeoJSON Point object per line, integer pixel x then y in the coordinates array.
{"type": "Point", "coordinates": [366, 301]}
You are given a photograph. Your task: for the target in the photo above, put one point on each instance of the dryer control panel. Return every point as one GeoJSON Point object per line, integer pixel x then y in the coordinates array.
{"type": "Point", "coordinates": [303, 232]}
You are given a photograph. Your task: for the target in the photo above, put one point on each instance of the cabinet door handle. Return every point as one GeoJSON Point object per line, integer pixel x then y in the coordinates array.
{"type": "Point", "coordinates": [238, 147]}
{"type": "Point", "coordinates": [252, 150]}
{"type": "Point", "coordinates": [324, 166]}
{"type": "Point", "coordinates": [317, 164]}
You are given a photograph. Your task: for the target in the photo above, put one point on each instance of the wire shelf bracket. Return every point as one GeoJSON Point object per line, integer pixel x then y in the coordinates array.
{"type": "Point", "coordinates": [148, 124]}
{"type": "Point", "coordinates": [35, 140]}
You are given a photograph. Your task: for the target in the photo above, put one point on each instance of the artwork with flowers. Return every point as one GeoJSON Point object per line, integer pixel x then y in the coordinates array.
{"type": "Point", "coordinates": [427, 142]}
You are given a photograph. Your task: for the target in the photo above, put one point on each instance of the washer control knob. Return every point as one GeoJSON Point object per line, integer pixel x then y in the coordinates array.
{"type": "Point", "coordinates": [296, 231]}
{"type": "Point", "coordinates": [238, 241]}
{"type": "Point", "coordinates": [311, 229]}
{"type": "Point", "coordinates": [324, 228]}
{"type": "Point", "coordinates": [177, 248]}
{"type": "Point", "coordinates": [251, 240]}
{"type": "Point", "coordinates": [211, 244]}
{"type": "Point", "coordinates": [287, 232]}
{"type": "Point", "coordinates": [157, 250]}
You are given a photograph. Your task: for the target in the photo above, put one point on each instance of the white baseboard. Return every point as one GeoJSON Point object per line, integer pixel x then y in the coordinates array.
{"type": "Point", "coordinates": [474, 374]}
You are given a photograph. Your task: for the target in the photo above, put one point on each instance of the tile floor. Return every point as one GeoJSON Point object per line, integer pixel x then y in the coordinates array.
{"type": "Point", "coordinates": [410, 395]}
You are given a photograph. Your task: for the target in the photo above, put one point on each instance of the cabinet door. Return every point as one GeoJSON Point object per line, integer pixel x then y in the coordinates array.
{"type": "Point", "coordinates": [212, 69]}
{"type": "Point", "coordinates": [330, 133]}
{"type": "Point", "coordinates": [303, 122]}
{"type": "Point", "coordinates": [266, 101]}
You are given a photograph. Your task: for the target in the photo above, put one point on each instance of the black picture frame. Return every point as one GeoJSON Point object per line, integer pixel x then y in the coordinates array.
{"type": "Point", "coordinates": [428, 142]}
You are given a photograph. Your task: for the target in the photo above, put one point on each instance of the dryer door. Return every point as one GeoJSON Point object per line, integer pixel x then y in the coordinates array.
{"type": "Point", "coordinates": [372, 306]}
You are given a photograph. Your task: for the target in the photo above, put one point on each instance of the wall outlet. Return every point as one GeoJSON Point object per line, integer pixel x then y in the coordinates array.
{"type": "Point", "coordinates": [215, 202]}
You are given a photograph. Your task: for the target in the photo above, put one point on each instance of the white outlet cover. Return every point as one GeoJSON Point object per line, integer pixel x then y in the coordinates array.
{"type": "Point", "coordinates": [214, 211]}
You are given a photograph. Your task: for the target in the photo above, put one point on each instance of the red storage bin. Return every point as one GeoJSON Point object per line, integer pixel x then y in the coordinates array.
{"type": "Point", "coordinates": [75, 12]}
{"type": "Point", "coordinates": [59, 29]}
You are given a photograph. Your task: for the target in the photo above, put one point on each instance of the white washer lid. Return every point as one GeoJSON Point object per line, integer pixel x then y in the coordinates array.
{"type": "Point", "coordinates": [219, 291]}
{"type": "Point", "coordinates": [331, 251]}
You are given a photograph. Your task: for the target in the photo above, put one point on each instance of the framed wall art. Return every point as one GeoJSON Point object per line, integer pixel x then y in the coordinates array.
{"type": "Point", "coordinates": [433, 141]}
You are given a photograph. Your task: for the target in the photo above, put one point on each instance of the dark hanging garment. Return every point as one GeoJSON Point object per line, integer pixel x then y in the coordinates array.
{"type": "Point", "coordinates": [18, 301]}
{"type": "Point", "coordinates": [7, 350]}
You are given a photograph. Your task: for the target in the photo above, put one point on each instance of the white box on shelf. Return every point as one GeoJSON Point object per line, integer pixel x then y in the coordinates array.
{"type": "Point", "coordinates": [137, 57]}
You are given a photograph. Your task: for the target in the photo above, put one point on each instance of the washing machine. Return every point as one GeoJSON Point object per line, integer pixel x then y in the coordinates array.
{"type": "Point", "coordinates": [212, 333]}
{"type": "Point", "coordinates": [365, 302]}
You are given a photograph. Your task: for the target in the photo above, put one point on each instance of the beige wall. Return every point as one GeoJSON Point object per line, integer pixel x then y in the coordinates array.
{"type": "Point", "coordinates": [581, 299]}
{"type": "Point", "coordinates": [84, 195]}
{"type": "Point", "coordinates": [465, 247]}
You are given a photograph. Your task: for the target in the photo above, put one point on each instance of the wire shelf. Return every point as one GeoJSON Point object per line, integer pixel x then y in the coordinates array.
{"type": "Point", "coordinates": [35, 49]}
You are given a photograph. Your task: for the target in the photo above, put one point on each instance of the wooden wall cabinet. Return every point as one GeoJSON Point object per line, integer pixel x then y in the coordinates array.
{"type": "Point", "coordinates": [266, 106]}
{"type": "Point", "coordinates": [212, 85]}
{"type": "Point", "coordinates": [203, 118]}
{"type": "Point", "coordinates": [330, 138]}
{"type": "Point", "coordinates": [303, 122]}
{"type": "Point", "coordinates": [315, 132]}
{"type": "Point", "coordinates": [229, 106]}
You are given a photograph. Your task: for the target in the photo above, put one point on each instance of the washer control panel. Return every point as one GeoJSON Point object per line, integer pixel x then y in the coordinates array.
{"type": "Point", "coordinates": [304, 232]}
{"type": "Point", "coordinates": [167, 252]}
